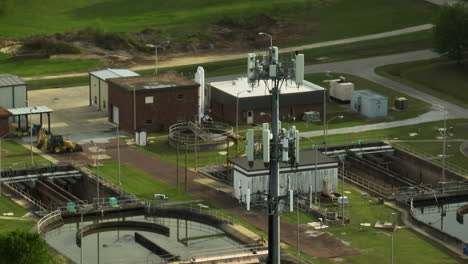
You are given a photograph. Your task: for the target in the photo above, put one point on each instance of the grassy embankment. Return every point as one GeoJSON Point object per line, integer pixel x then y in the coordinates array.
{"type": "Point", "coordinates": [7, 225]}
{"type": "Point", "coordinates": [309, 21]}
{"type": "Point", "coordinates": [36, 67]}
{"type": "Point", "coordinates": [440, 77]}
{"type": "Point", "coordinates": [362, 49]}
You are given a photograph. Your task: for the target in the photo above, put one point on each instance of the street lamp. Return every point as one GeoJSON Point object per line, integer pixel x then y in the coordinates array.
{"type": "Point", "coordinates": [96, 158]}
{"type": "Point", "coordinates": [326, 130]}
{"type": "Point", "coordinates": [391, 236]}
{"type": "Point", "coordinates": [444, 140]}
{"type": "Point", "coordinates": [268, 35]}
{"type": "Point", "coordinates": [237, 113]}
{"type": "Point", "coordinates": [118, 148]}
{"type": "Point", "coordinates": [30, 133]}
{"type": "Point", "coordinates": [156, 46]}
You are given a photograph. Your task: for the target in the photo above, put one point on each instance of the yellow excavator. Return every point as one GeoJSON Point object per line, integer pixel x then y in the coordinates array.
{"type": "Point", "coordinates": [55, 143]}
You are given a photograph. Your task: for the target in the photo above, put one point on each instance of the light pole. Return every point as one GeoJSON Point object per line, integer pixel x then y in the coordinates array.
{"type": "Point", "coordinates": [96, 158]}
{"type": "Point", "coordinates": [326, 130]}
{"type": "Point", "coordinates": [81, 233]}
{"type": "Point", "coordinates": [237, 115]}
{"type": "Point", "coordinates": [1, 141]}
{"type": "Point", "coordinates": [342, 190]}
{"type": "Point", "coordinates": [391, 236]}
{"type": "Point", "coordinates": [118, 149]}
{"type": "Point", "coordinates": [444, 140]}
{"type": "Point", "coordinates": [30, 133]}
{"type": "Point", "coordinates": [156, 46]}
{"type": "Point", "coordinates": [268, 35]}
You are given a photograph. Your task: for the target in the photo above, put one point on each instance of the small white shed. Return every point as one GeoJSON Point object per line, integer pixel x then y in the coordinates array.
{"type": "Point", "coordinates": [13, 91]}
{"type": "Point", "coordinates": [98, 87]}
{"type": "Point", "coordinates": [302, 179]}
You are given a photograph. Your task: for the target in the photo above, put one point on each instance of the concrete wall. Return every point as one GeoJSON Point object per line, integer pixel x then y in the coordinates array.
{"type": "Point", "coordinates": [99, 95]}
{"type": "Point", "coordinates": [419, 170]}
{"type": "Point", "coordinates": [13, 96]}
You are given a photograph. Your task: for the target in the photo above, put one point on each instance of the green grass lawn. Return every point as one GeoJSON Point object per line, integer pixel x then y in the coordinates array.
{"type": "Point", "coordinates": [426, 131]}
{"type": "Point", "coordinates": [160, 148]}
{"type": "Point", "coordinates": [140, 183]}
{"type": "Point", "coordinates": [376, 248]}
{"type": "Point", "coordinates": [36, 67]}
{"type": "Point", "coordinates": [7, 205]}
{"type": "Point", "coordinates": [440, 77]}
{"type": "Point", "coordinates": [16, 156]}
{"type": "Point", "coordinates": [12, 225]}
{"type": "Point", "coordinates": [322, 20]}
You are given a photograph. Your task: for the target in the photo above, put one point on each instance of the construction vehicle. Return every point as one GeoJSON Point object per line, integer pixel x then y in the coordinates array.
{"type": "Point", "coordinates": [56, 143]}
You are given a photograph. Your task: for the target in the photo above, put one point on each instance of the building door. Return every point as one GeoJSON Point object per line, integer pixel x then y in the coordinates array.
{"type": "Point", "coordinates": [250, 119]}
{"type": "Point", "coordinates": [115, 115]}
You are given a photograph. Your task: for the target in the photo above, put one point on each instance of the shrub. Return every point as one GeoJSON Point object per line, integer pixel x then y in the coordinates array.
{"type": "Point", "coordinates": [49, 46]}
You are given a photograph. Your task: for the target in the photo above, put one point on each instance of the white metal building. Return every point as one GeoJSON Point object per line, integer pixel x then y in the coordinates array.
{"type": "Point", "coordinates": [13, 91]}
{"type": "Point", "coordinates": [254, 179]}
{"type": "Point", "coordinates": [98, 87]}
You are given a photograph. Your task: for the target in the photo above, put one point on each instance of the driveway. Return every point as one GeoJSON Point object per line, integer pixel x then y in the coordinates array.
{"type": "Point", "coordinates": [71, 111]}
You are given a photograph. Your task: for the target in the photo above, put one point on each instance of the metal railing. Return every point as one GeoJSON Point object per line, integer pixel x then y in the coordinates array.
{"type": "Point", "coordinates": [26, 196]}
{"type": "Point", "coordinates": [47, 220]}
{"type": "Point", "coordinates": [102, 181]}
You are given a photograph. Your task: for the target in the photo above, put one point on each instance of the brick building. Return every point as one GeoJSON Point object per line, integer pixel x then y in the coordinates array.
{"type": "Point", "coordinates": [4, 122]}
{"type": "Point", "coordinates": [160, 101]}
{"type": "Point", "coordinates": [294, 101]}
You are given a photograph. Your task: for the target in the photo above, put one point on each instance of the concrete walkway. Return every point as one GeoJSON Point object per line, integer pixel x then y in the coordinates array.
{"type": "Point", "coordinates": [197, 59]}
{"type": "Point", "coordinates": [427, 117]}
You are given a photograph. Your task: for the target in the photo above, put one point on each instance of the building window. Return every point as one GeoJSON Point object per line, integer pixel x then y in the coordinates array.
{"type": "Point", "coordinates": [148, 122]}
{"type": "Point", "coordinates": [149, 99]}
{"type": "Point", "coordinates": [180, 118]}
{"type": "Point", "coordinates": [95, 99]}
{"type": "Point", "coordinates": [104, 104]}
{"type": "Point", "coordinates": [180, 97]}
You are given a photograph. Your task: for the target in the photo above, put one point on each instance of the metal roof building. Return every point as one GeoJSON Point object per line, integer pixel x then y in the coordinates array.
{"type": "Point", "coordinates": [13, 91]}
{"type": "Point", "coordinates": [253, 180]}
{"type": "Point", "coordinates": [98, 86]}
{"type": "Point", "coordinates": [8, 80]}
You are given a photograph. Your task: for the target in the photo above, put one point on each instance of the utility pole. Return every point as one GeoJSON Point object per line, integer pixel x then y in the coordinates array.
{"type": "Point", "coordinates": [185, 183]}
{"type": "Point", "coordinates": [274, 74]}
{"type": "Point", "coordinates": [177, 168]}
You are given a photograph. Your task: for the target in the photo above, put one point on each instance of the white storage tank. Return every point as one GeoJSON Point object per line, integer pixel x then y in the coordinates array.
{"type": "Point", "coordinates": [341, 90]}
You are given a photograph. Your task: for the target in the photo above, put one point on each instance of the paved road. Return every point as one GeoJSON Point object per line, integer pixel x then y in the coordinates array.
{"type": "Point", "coordinates": [197, 59]}
{"type": "Point", "coordinates": [365, 68]}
